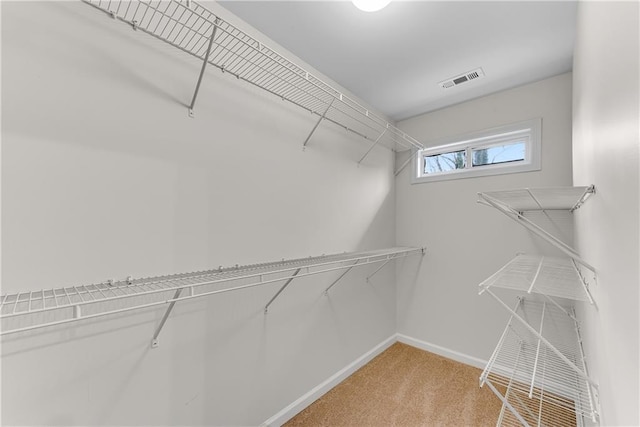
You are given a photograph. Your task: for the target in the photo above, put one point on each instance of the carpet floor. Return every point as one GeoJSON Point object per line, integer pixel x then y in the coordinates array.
{"type": "Point", "coordinates": [405, 386]}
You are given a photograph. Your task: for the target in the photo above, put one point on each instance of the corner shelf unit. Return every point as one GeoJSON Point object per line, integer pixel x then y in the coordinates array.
{"type": "Point", "coordinates": [25, 311]}
{"type": "Point", "coordinates": [538, 369]}
{"type": "Point", "coordinates": [193, 29]}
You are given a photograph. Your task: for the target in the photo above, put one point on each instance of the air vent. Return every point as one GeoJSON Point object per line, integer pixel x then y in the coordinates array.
{"type": "Point", "coordinates": [462, 78]}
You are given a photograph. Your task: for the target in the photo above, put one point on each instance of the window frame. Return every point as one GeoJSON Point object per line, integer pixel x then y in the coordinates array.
{"type": "Point", "coordinates": [529, 130]}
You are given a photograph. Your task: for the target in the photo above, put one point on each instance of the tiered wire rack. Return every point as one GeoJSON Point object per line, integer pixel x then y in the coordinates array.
{"type": "Point", "coordinates": [193, 29]}
{"type": "Point", "coordinates": [26, 311]}
{"type": "Point", "coordinates": [538, 369]}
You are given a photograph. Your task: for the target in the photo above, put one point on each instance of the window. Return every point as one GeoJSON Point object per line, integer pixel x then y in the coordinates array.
{"type": "Point", "coordinates": [507, 149]}
{"type": "Point", "coordinates": [445, 162]}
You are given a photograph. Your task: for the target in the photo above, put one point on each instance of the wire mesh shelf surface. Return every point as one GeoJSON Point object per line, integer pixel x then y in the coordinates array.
{"type": "Point", "coordinates": [552, 198]}
{"type": "Point", "coordinates": [551, 276]}
{"type": "Point", "coordinates": [535, 412]}
{"type": "Point", "coordinates": [46, 307]}
{"type": "Point", "coordinates": [190, 27]}
{"type": "Point", "coordinates": [528, 373]}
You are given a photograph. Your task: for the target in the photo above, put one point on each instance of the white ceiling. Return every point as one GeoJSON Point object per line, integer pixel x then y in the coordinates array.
{"type": "Point", "coordinates": [394, 58]}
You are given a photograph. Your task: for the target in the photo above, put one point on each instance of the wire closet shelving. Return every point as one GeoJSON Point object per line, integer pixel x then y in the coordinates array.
{"type": "Point", "coordinates": [516, 203]}
{"type": "Point", "coordinates": [25, 311]}
{"type": "Point", "coordinates": [538, 369]}
{"type": "Point", "coordinates": [550, 276]}
{"type": "Point", "coordinates": [194, 29]}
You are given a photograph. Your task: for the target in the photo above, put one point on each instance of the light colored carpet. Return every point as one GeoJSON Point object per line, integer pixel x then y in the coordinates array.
{"type": "Point", "coordinates": [405, 386]}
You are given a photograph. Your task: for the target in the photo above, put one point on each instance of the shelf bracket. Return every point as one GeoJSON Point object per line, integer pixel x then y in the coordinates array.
{"type": "Point", "coordinates": [406, 162]}
{"type": "Point", "coordinates": [535, 278]}
{"type": "Point", "coordinates": [506, 403]}
{"type": "Point", "coordinates": [326, 291]}
{"type": "Point", "coordinates": [587, 193]}
{"type": "Point", "coordinates": [379, 268]}
{"type": "Point", "coordinates": [266, 307]}
{"type": "Point", "coordinates": [304, 145]}
{"type": "Point", "coordinates": [559, 307]}
{"type": "Point", "coordinates": [204, 66]}
{"type": "Point", "coordinates": [154, 340]}
{"type": "Point", "coordinates": [372, 146]}
{"type": "Point", "coordinates": [536, 229]}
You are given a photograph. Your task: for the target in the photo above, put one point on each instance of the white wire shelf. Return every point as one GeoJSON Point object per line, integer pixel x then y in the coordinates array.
{"type": "Point", "coordinates": [550, 276]}
{"type": "Point", "coordinates": [538, 369]}
{"type": "Point", "coordinates": [532, 199]}
{"type": "Point", "coordinates": [47, 307]}
{"type": "Point", "coordinates": [195, 30]}
{"type": "Point", "coordinates": [535, 412]}
{"type": "Point", "coordinates": [514, 203]}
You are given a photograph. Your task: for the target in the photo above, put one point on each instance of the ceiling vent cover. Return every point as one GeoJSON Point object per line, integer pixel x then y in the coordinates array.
{"type": "Point", "coordinates": [462, 78]}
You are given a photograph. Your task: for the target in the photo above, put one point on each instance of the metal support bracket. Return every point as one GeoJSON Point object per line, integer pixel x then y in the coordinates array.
{"type": "Point", "coordinates": [204, 66]}
{"type": "Point", "coordinates": [379, 268]}
{"type": "Point", "coordinates": [536, 229]}
{"type": "Point", "coordinates": [266, 307]}
{"type": "Point", "coordinates": [507, 404]}
{"type": "Point", "coordinates": [304, 145]}
{"type": "Point", "coordinates": [587, 193]}
{"type": "Point", "coordinates": [372, 146]}
{"type": "Point", "coordinates": [326, 291]}
{"type": "Point", "coordinates": [154, 340]}
{"type": "Point", "coordinates": [406, 162]}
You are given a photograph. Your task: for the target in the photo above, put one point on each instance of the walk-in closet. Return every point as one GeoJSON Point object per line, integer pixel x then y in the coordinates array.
{"type": "Point", "coordinates": [320, 213]}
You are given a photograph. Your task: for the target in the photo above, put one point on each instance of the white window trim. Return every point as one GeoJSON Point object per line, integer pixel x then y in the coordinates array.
{"type": "Point", "coordinates": [531, 128]}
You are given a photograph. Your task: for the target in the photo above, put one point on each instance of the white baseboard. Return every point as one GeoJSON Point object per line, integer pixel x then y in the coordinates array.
{"type": "Point", "coordinates": [318, 391]}
{"type": "Point", "coordinates": [442, 351]}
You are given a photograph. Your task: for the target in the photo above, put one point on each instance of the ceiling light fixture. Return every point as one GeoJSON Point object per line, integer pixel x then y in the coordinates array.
{"type": "Point", "coordinates": [370, 5]}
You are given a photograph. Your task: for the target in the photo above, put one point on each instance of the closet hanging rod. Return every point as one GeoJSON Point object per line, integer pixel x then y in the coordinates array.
{"type": "Point", "coordinates": [75, 303]}
{"type": "Point", "coordinates": [188, 26]}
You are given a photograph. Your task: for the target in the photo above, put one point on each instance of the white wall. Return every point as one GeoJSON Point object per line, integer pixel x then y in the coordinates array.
{"type": "Point", "coordinates": [606, 153]}
{"type": "Point", "coordinates": [104, 176]}
{"type": "Point", "coordinates": [467, 242]}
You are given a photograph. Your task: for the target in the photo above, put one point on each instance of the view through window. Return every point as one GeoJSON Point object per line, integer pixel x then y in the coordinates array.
{"type": "Point", "coordinates": [507, 149]}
